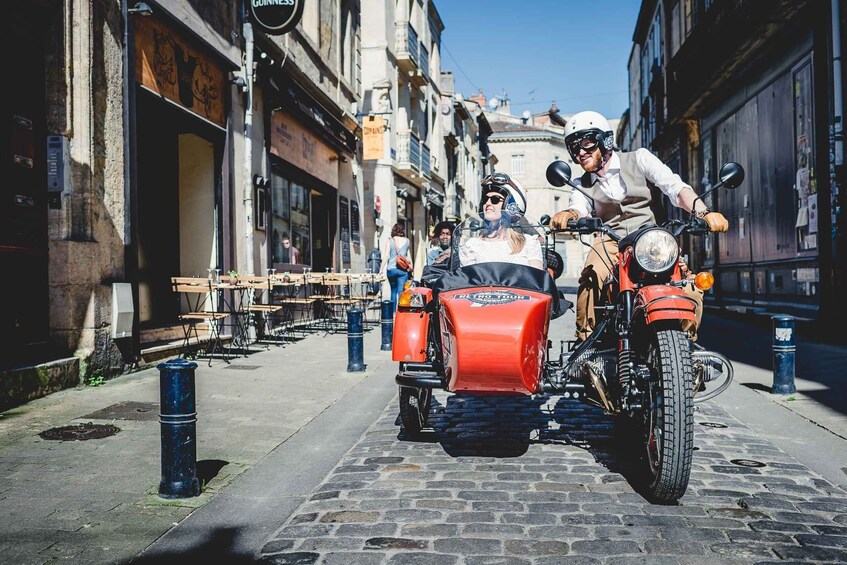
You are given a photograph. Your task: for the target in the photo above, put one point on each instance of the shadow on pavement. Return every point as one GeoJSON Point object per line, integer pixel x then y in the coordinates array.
{"type": "Point", "coordinates": [217, 549]}
{"type": "Point", "coordinates": [506, 426]}
{"type": "Point", "coordinates": [749, 340]}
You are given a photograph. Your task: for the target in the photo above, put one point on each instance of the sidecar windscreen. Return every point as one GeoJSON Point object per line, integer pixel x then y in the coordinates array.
{"type": "Point", "coordinates": [498, 274]}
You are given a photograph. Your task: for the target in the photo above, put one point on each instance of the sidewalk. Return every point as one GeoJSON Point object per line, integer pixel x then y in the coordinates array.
{"type": "Point", "coordinates": [272, 425]}
{"type": "Point", "coordinates": [96, 501]}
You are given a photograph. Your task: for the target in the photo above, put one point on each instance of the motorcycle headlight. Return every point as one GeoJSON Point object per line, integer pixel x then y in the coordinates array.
{"type": "Point", "coordinates": [656, 251]}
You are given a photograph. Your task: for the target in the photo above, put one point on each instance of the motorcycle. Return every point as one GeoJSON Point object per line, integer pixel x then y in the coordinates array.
{"type": "Point", "coordinates": [638, 364]}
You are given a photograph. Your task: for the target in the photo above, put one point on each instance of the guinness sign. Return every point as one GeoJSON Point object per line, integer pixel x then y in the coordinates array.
{"type": "Point", "coordinates": [276, 16]}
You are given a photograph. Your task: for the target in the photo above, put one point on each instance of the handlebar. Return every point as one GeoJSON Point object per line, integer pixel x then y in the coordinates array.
{"type": "Point", "coordinates": [590, 225]}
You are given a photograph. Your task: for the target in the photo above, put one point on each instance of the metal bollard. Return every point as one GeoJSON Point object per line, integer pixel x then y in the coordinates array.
{"type": "Point", "coordinates": [178, 418]}
{"type": "Point", "coordinates": [387, 323]}
{"type": "Point", "coordinates": [355, 338]}
{"type": "Point", "coordinates": [783, 355]}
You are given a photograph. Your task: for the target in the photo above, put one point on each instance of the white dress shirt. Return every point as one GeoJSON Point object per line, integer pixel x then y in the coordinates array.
{"type": "Point", "coordinates": [613, 186]}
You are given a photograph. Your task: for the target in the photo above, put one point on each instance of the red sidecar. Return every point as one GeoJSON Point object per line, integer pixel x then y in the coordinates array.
{"type": "Point", "coordinates": [478, 329]}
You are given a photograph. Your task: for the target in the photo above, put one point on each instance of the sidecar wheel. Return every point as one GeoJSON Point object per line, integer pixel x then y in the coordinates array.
{"type": "Point", "coordinates": [414, 408]}
{"type": "Point", "coordinates": [669, 418]}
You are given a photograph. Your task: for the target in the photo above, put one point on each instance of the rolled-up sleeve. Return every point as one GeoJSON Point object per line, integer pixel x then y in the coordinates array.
{"type": "Point", "coordinates": [661, 175]}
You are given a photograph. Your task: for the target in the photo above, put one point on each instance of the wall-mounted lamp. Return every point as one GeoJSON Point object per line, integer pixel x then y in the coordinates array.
{"type": "Point", "coordinates": [266, 58]}
{"type": "Point", "coordinates": [260, 181]}
{"type": "Point", "coordinates": [238, 81]}
{"type": "Point", "coordinates": [341, 158]}
{"type": "Point", "coordinates": [142, 9]}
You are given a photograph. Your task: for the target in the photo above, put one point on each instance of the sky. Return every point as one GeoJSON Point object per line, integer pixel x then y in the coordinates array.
{"type": "Point", "coordinates": [573, 52]}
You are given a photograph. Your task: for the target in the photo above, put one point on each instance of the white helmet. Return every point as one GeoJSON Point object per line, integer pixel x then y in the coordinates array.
{"type": "Point", "coordinates": [587, 127]}
{"type": "Point", "coordinates": [515, 194]}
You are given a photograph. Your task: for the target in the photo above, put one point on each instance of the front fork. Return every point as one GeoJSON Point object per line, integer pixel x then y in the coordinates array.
{"type": "Point", "coordinates": [632, 377]}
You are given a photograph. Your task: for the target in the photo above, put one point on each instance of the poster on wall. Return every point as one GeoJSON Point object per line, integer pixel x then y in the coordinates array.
{"type": "Point", "coordinates": [354, 223]}
{"type": "Point", "coordinates": [373, 129]}
{"type": "Point", "coordinates": [344, 217]}
{"type": "Point", "coordinates": [173, 68]}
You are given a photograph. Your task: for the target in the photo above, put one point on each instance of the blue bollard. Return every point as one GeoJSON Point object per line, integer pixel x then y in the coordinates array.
{"type": "Point", "coordinates": [178, 418]}
{"type": "Point", "coordinates": [783, 355]}
{"type": "Point", "coordinates": [355, 339]}
{"type": "Point", "coordinates": [387, 323]}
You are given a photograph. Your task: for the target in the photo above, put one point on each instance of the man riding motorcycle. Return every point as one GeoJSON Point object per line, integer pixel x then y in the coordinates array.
{"type": "Point", "coordinates": [620, 184]}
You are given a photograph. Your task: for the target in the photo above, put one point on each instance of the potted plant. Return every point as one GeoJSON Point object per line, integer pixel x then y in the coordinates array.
{"type": "Point", "coordinates": [233, 277]}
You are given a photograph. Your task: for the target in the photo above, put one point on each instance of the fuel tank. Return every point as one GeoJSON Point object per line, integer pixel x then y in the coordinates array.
{"type": "Point", "coordinates": [494, 339]}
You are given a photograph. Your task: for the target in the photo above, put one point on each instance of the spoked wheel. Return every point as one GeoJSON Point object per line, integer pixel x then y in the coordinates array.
{"type": "Point", "coordinates": [669, 418]}
{"type": "Point", "coordinates": [414, 408]}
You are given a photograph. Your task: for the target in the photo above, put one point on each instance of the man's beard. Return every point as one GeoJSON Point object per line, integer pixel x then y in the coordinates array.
{"type": "Point", "coordinates": [593, 165]}
{"type": "Point", "coordinates": [444, 245]}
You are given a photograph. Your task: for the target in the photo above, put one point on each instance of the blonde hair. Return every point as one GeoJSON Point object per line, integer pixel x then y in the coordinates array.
{"type": "Point", "coordinates": [516, 240]}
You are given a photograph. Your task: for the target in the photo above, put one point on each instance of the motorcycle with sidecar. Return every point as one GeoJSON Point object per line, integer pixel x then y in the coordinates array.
{"type": "Point", "coordinates": [483, 328]}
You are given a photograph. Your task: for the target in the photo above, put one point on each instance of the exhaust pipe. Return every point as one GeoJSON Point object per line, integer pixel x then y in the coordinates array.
{"type": "Point", "coordinates": [597, 383]}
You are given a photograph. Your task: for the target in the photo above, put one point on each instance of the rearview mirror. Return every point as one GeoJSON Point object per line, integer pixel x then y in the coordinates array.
{"type": "Point", "coordinates": [545, 220]}
{"type": "Point", "coordinates": [731, 175]}
{"type": "Point", "coordinates": [558, 173]}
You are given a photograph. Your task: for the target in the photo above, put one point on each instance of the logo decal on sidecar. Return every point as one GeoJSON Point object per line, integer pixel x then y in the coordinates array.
{"type": "Point", "coordinates": [491, 297]}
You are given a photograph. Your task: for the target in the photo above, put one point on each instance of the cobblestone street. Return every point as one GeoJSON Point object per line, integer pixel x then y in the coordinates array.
{"type": "Point", "coordinates": [521, 480]}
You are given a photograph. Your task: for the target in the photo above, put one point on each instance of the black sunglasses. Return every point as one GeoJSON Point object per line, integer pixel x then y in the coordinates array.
{"type": "Point", "coordinates": [494, 198]}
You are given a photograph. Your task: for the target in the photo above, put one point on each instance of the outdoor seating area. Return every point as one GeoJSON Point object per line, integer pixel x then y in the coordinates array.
{"type": "Point", "coordinates": [236, 313]}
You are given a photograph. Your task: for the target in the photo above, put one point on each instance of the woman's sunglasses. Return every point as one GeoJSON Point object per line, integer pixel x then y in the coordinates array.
{"type": "Point", "coordinates": [494, 198]}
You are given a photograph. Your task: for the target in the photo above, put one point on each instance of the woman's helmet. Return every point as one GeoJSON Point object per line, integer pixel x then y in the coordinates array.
{"type": "Point", "coordinates": [589, 130]}
{"type": "Point", "coordinates": [512, 191]}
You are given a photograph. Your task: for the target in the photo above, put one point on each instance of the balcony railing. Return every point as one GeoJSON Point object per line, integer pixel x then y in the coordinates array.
{"type": "Point", "coordinates": [423, 60]}
{"type": "Point", "coordinates": [415, 152]}
{"type": "Point", "coordinates": [412, 154]}
{"type": "Point", "coordinates": [425, 160]}
{"type": "Point", "coordinates": [406, 46]}
{"type": "Point", "coordinates": [726, 34]}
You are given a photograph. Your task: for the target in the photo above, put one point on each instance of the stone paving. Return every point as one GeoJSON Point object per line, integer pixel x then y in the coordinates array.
{"type": "Point", "coordinates": [545, 480]}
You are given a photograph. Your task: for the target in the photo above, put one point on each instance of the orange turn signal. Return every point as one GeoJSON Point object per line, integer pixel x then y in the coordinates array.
{"type": "Point", "coordinates": [409, 299]}
{"type": "Point", "coordinates": [704, 281]}
{"type": "Point", "coordinates": [407, 284]}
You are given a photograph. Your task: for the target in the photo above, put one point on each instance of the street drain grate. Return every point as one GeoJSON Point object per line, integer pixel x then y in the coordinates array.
{"type": "Point", "coordinates": [713, 425]}
{"type": "Point", "coordinates": [242, 367]}
{"type": "Point", "coordinates": [747, 463]}
{"type": "Point", "coordinates": [80, 432]}
{"type": "Point", "coordinates": [128, 410]}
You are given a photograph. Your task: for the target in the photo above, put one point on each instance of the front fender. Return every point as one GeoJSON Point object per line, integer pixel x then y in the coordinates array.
{"type": "Point", "coordinates": [664, 302]}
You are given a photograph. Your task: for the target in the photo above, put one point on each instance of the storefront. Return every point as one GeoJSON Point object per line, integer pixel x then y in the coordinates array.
{"type": "Point", "coordinates": [181, 190]}
{"type": "Point", "coordinates": [309, 151]}
{"type": "Point", "coordinates": [770, 258]}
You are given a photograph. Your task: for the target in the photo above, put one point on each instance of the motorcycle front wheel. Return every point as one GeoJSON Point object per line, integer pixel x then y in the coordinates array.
{"type": "Point", "coordinates": [669, 418]}
{"type": "Point", "coordinates": [415, 404]}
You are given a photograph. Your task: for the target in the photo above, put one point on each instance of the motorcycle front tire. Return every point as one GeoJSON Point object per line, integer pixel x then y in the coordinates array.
{"type": "Point", "coordinates": [669, 418]}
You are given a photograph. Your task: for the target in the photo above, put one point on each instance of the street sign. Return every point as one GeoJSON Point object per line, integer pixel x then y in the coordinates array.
{"type": "Point", "coordinates": [276, 17]}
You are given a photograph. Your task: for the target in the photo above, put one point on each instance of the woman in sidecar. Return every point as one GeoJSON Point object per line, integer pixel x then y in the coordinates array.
{"type": "Point", "coordinates": [493, 294]}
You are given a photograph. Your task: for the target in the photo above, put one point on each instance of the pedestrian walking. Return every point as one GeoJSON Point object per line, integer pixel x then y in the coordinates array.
{"type": "Point", "coordinates": [399, 265]}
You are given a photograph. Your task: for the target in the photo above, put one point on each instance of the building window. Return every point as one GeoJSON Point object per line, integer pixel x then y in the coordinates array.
{"type": "Point", "coordinates": [290, 219]}
{"type": "Point", "coordinates": [517, 165]}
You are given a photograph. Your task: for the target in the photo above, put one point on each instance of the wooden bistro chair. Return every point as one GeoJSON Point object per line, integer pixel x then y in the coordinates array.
{"type": "Point", "coordinates": [341, 296]}
{"type": "Point", "coordinates": [261, 308]}
{"type": "Point", "coordinates": [294, 295]}
{"type": "Point", "coordinates": [196, 302]}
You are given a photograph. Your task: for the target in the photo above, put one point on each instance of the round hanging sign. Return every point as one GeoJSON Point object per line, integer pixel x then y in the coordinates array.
{"type": "Point", "coordinates": [276, 16]}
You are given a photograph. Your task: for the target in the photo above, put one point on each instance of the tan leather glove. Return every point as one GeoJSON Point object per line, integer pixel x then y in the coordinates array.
{"type": "Point", "coordinates": [560, 220]}
{"type": "Point", "coordinates": [716, 221]}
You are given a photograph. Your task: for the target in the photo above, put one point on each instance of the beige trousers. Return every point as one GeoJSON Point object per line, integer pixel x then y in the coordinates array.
{"type": "Point", "coordinates": [600, 262]}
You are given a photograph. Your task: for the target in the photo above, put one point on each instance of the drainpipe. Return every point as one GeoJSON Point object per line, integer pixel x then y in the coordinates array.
{"type": "Point", "coordinates": [248, 148]}
{"type": "Point", "coordinates": [836, 82]}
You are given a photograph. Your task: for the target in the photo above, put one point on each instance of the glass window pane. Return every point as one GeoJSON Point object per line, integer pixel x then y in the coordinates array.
{"type": "Point", "coordinates": [280, 225]}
